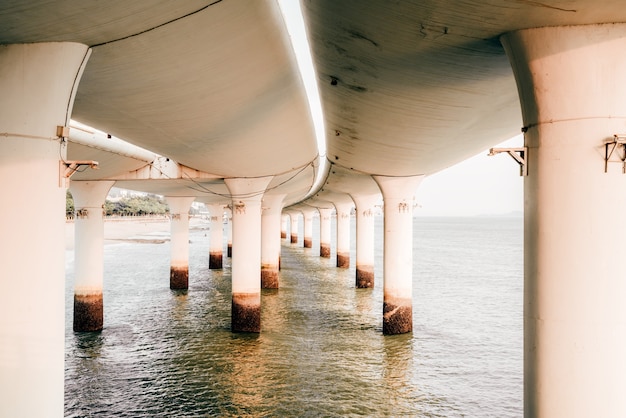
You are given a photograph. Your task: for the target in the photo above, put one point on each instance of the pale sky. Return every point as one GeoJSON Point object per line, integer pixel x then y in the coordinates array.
{"type": "Point", "coordinates": [481, 185]}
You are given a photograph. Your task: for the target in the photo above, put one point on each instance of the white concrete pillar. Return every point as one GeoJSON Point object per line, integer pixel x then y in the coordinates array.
{"type": "Point", "coordinates": [229, 232]}
{"type": "Point", "coordinates": [89, 197]}
{"type": "Point", "coordinates": [270, 240]}
{"type": "Point", "coordinates": [398, 198]}
{"type": "Point", "coordinates": [294, 226]}
{"type": "Point", "coordinates": [216, 245]}
{"type": "Point", "coordinates": [365, 239]}
{"type": "Point", "coordinates": [179, 241]}
{"type": "Point", "coordinates": [343, 234]}
{"type": "Point", "coordinates": [247, 194]}
{"type": "Point", "coordinates": [284, 219]}
{"type": "Point", "coordinates": [37, 89]}
{"type": "Point", "coordinates": [573, 96]}
{"type": "Point", "coordinates": [325, 218]}
{"type": "Point", "coordinates": [307, 215]}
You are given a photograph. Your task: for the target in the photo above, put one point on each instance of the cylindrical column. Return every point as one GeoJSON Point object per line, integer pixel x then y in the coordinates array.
{"type": "Point", "coordinates": [343, 234]}
{"type": "Point", "coordinates": [308, 227]}
{"type": "Point", "coordinates": [179, 241]}
{"type": "Point", "coordinates": [216, 245]}
{"type": "Point", "coordinates": [365, 239]}
{"type": "Point", "coordinates": [89, 199]}
{"type": "Point", "coordinates": [398, 197]}
{"type": "Point", "coordinates": [270, 240]}
{"type": "Point", "coordinates": [229, 232]}
{"type": "Point", "coordinates": [246, 265]}
{"type": "Point", "coordinates": [283, 226]}
{"type": "Point", "coordinates": [325, 218]}
{"type": "Point", "coordinates": [572, 90]}
{"type": "Point", "coordinates": [37, 90]}
{"type": "Point", "coordinates": [294, 226]}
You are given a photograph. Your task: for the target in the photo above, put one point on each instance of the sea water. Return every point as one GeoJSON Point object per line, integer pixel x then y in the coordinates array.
{"type": "Point", "coordinates": [321, 352]}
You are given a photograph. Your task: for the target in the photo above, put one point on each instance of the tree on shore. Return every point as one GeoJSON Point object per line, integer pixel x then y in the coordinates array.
{"type": "Point", "coordinates": [126, 206]}
{"type": "Point", "coordinates": [69, 204]}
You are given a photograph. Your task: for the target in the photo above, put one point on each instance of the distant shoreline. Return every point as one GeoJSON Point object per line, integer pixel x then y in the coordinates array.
{"type": "Point", "coordinates": [131, 229]}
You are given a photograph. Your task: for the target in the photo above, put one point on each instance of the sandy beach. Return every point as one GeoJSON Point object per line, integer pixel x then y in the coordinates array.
{"type": "Point", "coordinates": [138, 229]}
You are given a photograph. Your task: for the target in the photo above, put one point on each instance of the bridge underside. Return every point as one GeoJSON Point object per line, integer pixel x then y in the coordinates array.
{"type": "Point", "coordinates": [209, 100]}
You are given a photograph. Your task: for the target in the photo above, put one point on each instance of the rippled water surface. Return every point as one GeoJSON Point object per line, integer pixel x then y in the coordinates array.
{"type": "Point", "coordinates": [321, 352]}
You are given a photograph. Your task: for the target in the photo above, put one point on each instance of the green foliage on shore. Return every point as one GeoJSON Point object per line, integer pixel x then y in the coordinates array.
{"type": "Point", "coordinates": [69, 204]}
{"type": "Point", "coordinates": [126, 206]}
{"type": "Point", "coordinates": [136, 206]}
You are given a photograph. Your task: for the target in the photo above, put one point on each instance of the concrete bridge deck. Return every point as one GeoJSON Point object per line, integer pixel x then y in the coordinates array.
{"type": "Point", "coordinates": [210, 98]}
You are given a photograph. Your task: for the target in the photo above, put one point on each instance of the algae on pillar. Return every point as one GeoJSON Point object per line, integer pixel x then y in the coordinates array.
{"type": "Point", "coordinates": [216, 246]}
{"type": "Point", "coordinates": [89, 197]}
{"type": "Point", "coordinates": [283, 226]}
{"type": "Point", "coordinates": [398, 199]}
{"type": "Point", "coordinates": [325, 218]}
{"type": "Point", "coordinates": [343, 233]}
{"type": "Point", "coordinates": [179, 241]}
{"type": "Point", "coordinates": [294, 227]}
{"type": "Point", "coordinates": [229, 232]}
{"type": "Point", "coordinates": [270, 240]}
{"type": "Point", "coordinates": [247, 194]}
{"type": "Point", "coordinates": [308, 227]}
{"type": "Point", "coordinates": [365, 239]}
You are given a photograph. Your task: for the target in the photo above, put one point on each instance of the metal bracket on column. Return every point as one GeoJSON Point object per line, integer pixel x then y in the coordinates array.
{"type": "Point", "coordinates": [612, 144]}
{"type": "Point", "coordinates": [518, 154]}
{"type": "Point", "coordinates": [72, 167]}
{"type": "Point", "coordinates": [68, 168]}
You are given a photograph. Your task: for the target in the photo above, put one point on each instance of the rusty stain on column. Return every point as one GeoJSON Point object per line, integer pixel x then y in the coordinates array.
{"type": "Point", "coordinates": [343, 233]}
{"type": "Point", "coordinates": [343, 260]}
{"type": "Point", "coordinates": [269, 276]}
{"type": "Point", "coordinates": [294, 228]}
{"type": "Point", "coordinates": [179, 278]}
{"type": "Point", "coordinates": [246, 263]}
{"type": "Point", "coordinates": [365, 277]}
{"type": "Point", "coordinates": [88, 313]}
{"type": "Point", "coordinates": [398, 197]}
{"type": "Point", "coordinates": [215, 260]}
{"type": "Point", "coordinates": [365, 206]}
{"type": "Point", "coordinates": [325, 217]}
{"type": "Point", "coordinates": [283, 226]}
{"type": "Point", "coordinates": [246, 312]}
{"type": "Point", "coordinates": [216, 243]}
{"type": "Point", "coordinates": [397, 316]}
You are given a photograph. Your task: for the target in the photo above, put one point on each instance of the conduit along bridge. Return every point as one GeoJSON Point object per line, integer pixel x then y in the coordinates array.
{"type": "Point", "coordinates": [211, 105]}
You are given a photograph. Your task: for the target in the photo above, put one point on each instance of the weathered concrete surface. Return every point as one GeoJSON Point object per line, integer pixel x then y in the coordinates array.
{"type": "Point", "coordinates": [365, 277]}
{"type": "Point", "coordinates": [88, 313]}
{"type": "Point", "coordinates": [246, 312]}
{"type": "Point", "coordinates": [397, 316]}
{"type": "Point", "coordinates": [269, 277]}
{"type": "Point", "coordinates": [179, 278]}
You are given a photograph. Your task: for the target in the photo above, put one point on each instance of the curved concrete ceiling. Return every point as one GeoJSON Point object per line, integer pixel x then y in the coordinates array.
{"type": "Point", "coordinates": [413, 87]}
{"type": "Point", "coordinates": [218, 90]}
{"type": "Point", "coordinates": [213, 85]}
{"type": "Point", "coordinates": [407, 88]}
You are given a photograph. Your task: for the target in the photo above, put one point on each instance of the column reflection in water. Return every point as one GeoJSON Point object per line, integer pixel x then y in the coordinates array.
{"type": "Point", "coordinates": [321, 351]}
